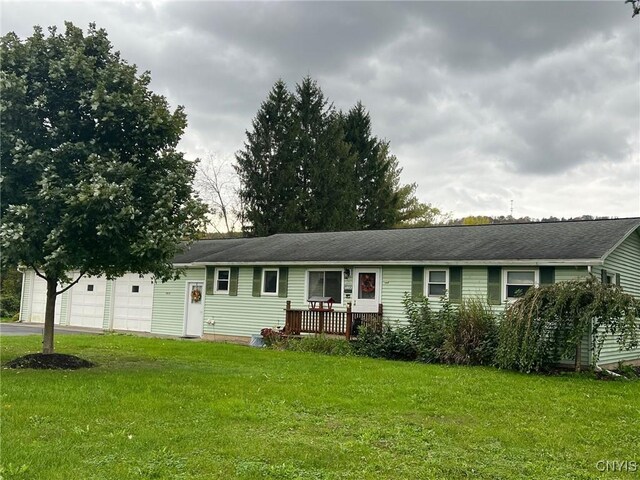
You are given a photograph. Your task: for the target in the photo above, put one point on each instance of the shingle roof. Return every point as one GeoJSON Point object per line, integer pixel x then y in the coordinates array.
{"type": "Point", "coordinates": [203, 248]}
{"type": "Point", "coordinates": [574, 240]}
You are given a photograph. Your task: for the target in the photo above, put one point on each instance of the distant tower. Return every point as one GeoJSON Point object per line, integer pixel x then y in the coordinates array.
{"type": "Point", "coordinates": [511, 209]}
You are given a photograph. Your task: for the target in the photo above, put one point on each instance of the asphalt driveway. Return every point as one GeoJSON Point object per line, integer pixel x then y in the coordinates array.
{"type": "Point", "coordinates": [21, 329]}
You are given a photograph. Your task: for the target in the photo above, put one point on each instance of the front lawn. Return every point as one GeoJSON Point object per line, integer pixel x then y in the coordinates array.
{"type": "Point", "coordinates": [156, 408]}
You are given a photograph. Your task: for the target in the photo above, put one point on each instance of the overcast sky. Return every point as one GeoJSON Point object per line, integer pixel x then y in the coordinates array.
{"type": "Point", "coordinates": [482, 102]}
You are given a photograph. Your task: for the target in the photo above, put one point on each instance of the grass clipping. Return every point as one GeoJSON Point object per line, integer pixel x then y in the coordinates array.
{"type": "Point", "coordinates": [49, 361]}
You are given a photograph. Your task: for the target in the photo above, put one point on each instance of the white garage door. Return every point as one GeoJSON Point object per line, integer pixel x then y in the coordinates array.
{"type": "Point", "coordinates": [87, 302]}
{"type": "Point", "coordinates": [39, 301]}
{"type": "Point", "coordinates": [132, 303]}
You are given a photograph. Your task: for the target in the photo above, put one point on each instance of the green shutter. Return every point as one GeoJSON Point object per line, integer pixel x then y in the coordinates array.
{"type": "Point", "coordinates": [494, 285]}
{"type": "Point", "coordinates": [547, 275]}
{"type": "Point", "coordinates": [417, 283]}
{"type": "Point", "coordinates": [455, 284]}
{"type": "Point", "coordinates": [283, 282]}
{"type": "Point", "coordinates": [618, 279]}
{"type": "Point", "coordinates": [603, 276]}
{"type": "Point", "coordinates": [233, 281]}
{"type": "Point", "coordinates": [257, 281]}
{"type": "Point", "coordinates": [211, 277]}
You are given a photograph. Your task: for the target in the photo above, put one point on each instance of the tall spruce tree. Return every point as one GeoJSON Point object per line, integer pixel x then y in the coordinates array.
{"type": "Point", "coordinates": [269, 168]}
{"type": "Point", "coordinates": [326, 166]}
{"type": "Point", "coordinates": [378, 203]}
{"type": "Point", "coordinates": [307, 167]}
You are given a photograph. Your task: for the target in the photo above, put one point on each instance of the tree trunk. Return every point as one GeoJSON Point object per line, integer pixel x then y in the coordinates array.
{"type": "Point", "coordinates": [578, 363]}
{"type": "Point", "coordinates": [49, 316]}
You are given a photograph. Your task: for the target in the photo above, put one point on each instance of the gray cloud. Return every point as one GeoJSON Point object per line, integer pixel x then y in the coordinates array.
{"type": "Point", "coordinates": [483, 102]}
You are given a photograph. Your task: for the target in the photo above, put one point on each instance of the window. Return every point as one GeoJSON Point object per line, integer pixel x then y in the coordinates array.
{"type": "Point", "coordinates": [269, 282]}
{"type": "Point", "coordinates": [437, 282]}
{"type": "Point", "coordinates": [517, 282]}
{"type": "Point", "coordinates": [135, 288]}
{"type": "Point", "coordinates": [325, 284]}
{"type": "Point", "coordinates": [89, 288]}
{"type": "Point", "coordinates": [222, 281]}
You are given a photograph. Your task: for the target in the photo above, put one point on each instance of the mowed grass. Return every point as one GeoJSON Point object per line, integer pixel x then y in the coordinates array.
{"type": "Point", "coordinates": [157, 408]}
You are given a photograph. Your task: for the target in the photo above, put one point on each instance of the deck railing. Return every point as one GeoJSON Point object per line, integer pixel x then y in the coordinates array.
{"type": "Point", "coordinates": [328, 321]}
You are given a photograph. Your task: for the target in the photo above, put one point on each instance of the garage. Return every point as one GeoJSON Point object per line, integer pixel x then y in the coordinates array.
{"type": "Point", "coordinates": [87, 302]}
{"type": "Point", "coordinates": [39, 301]}
{"type": "Point", "coordinates": [132, 302]}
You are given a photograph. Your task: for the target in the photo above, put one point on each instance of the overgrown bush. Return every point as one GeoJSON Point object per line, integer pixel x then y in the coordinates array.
{"type": "Point", "coordinates": [472, 338]}
{"type": "Point", "coordinates": [464, 334]}
{"type": "Point", "coordinates": [9, 304]}
{"type": "Point", "coordinates": [548, 323]}
{"type": "Point", "coordinates": [387, 342]}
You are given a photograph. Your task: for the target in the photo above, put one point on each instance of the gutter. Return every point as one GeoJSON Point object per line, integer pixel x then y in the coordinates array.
{"type": "Point", "coordinates": [527, 262]}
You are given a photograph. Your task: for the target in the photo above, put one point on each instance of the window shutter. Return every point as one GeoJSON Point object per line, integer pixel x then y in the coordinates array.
{"type": "Point", "coordinates": [617, 279]}
{"type": "Point", "coordinates": [547, 275]}
{"type": "Point", "coordinates": [233, 281]}
{"type": "Point", "coordinates": [283, 282]}
{"type": "Point", "coordinates": [494, 285]}
{"type": "Point", "coordinates": [455, 284]}
{"type": "Point", "coordinates": [417, 283]}
{"type": "Point", "coordinates": [603, 276]}
{"type": "Point", "coordinates": [211, 277]}
{"type": "Point", "coordinates": [257, 281]}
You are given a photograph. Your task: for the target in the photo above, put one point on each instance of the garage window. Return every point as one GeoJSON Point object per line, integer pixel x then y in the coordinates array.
{"type": "Point", "coordinates": [135, 288]}
{"type": "Point", "coordinates": [89, 288]}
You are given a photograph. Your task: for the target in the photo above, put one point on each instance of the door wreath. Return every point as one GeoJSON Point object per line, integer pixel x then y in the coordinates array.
{"type": "Point", "coordinates": [196, 295]}
{"type": "Point", "coordinates": [367, 283]}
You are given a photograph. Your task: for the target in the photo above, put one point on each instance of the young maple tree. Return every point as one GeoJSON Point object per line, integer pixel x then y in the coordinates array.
{"type": "Point", "coordinates": [92, 181]}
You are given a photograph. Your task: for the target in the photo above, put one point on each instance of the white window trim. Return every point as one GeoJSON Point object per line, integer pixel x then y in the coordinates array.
{"type": "Point", "coordinates": [505, 270]}
{"type": "Point", "coordinates": [264, 275]}
{"type": "Point", "coordinates": [216, 278]}
{"type": "Point", "coordinates": [426, 281]}
{"type": "Point", "coordinates": [328, 269]}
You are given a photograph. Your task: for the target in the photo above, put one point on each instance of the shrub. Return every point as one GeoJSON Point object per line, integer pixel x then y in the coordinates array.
{"type": "Point", "coordinates": [548, 323]}
{"type": "Point", "coordinates": [9, 304]}
{"type": "Point", "coordinates": [388, 342]}
{"type": "Point", "coordinates": [472, 338]}
{"type": "Point", "coordinates": [272, 336]}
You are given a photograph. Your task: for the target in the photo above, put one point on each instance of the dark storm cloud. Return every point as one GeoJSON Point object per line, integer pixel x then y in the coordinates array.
{"type": "Point", "coordinates": [483, 102]}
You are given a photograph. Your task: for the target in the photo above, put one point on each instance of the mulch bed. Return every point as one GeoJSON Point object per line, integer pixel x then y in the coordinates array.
{"type": "Point", "coordinates": [49, 361]}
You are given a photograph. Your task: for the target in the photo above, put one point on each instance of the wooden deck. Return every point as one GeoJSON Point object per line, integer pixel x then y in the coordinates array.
{"type": "Point", "coordinates": [329, 321]}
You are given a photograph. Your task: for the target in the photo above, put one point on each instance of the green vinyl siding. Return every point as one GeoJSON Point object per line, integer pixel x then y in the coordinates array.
{"type": "Point", "coordinates": [565, 274]}
{"type": "Point", "coordinates": [169, 298]}
{"type": "Point", "coordinates": [474, 283]}
{"type": "Point", "coordinates": [624, 260]}
{"type": "Point", "coordinates": [26, 297]}
{"type": "Point", "coordinates": [396, 282]}
{"type": "Point", "coordinates": [108, 305]}
{"type": "Point", "coordinates": [64, 308]}
{"type": "Point", "coordinates": [245, 314]}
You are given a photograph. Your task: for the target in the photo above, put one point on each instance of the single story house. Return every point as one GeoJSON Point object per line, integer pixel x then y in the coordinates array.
{"type": "Point", "coordinates": [232, 288]}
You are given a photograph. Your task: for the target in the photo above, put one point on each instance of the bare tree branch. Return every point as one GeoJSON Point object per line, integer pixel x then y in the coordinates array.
{"type": "Point", "coordinates": [218, 184]}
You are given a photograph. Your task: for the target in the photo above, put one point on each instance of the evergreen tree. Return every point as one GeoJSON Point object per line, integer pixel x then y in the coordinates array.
{"type": "Point", "coordinates": [269, 168]}
{"type": "Point", "coordinates": [307, 167]}
{"type": "Point", "coordinates": [326, 166]}
{"type": "Point", "coordinates": [377, 199]}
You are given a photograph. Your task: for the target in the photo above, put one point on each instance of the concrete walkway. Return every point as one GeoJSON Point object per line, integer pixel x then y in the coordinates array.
{"type": "Point", "coordinates": [21, 329]}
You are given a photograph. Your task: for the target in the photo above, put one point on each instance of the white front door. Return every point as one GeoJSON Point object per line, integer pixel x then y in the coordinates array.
{"type": "Point", "coordinates": [194, 311]}
{"type": "Point", "coordinates": [367, 283]}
